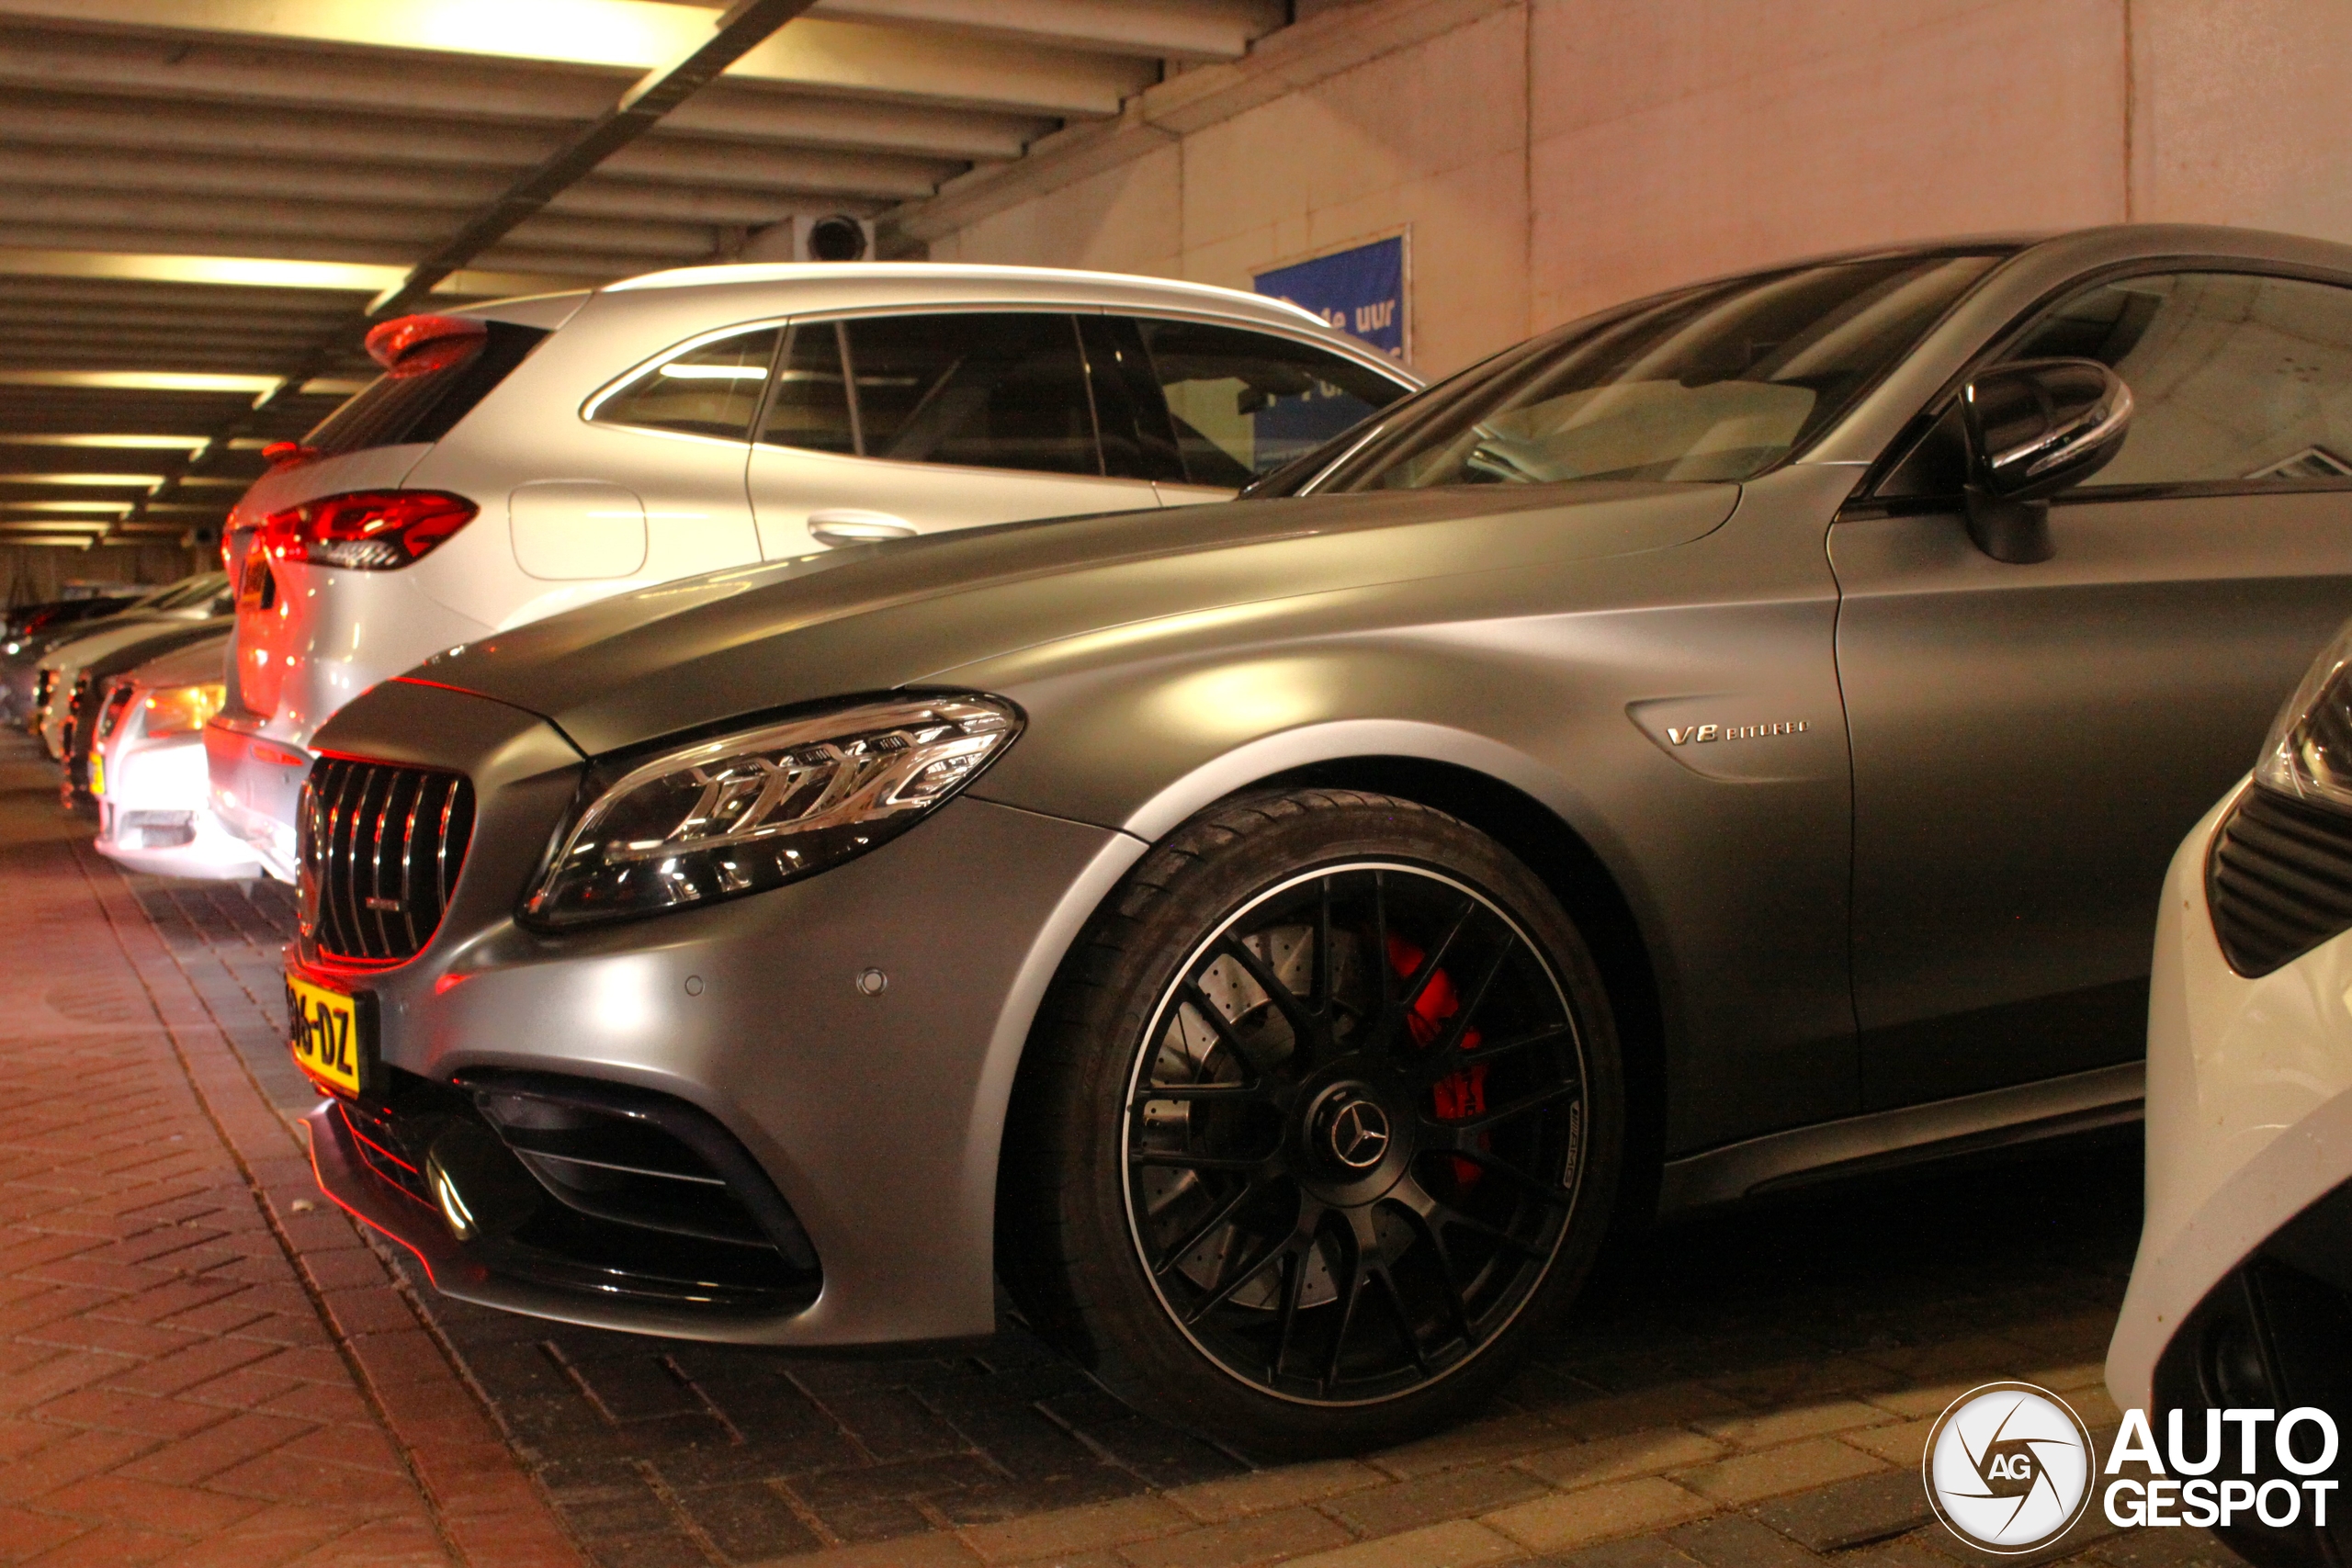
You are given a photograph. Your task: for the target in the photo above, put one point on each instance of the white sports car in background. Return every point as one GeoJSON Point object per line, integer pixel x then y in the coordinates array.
{"type": "Point", "coordinates": [2240, 1299]}
{"type": "Point", "coordinates": [147, 769]}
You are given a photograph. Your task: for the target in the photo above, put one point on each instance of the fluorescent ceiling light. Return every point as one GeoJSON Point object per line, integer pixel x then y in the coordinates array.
{"type": "Point", "coordinates": [117, 443]}
{"type": "Point", "coordinates": [138, 380]}
{"type": "Point", "coordinates": [105, 482]}
{"type": "Point", "coordinates": [264, 272]}
{"type": "Point", "coordinates": [113, 508]}
{"type": "Point", "coordinates": [167, 381]}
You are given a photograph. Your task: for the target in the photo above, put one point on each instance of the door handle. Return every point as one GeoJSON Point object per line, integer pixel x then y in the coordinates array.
{"type": "Point", "coordinates": [856, 525]}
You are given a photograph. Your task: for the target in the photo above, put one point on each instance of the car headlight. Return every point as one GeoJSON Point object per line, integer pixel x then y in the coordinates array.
{"type": "Point", "coordinates": [2309, 752]}
{"type": "Point", "coordinates": [182, 710]}
{"type": "Point", "coordinates": [757, 809]}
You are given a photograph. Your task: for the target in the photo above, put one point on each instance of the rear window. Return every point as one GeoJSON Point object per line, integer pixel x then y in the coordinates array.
{"type": "Point", "coordinates": [397, 411]}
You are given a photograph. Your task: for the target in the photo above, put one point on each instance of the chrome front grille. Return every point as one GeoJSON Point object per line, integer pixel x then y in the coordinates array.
{"type": "Point", "coordinates": [381, 849]}
{"type": "Point", "coordinates": [2279, 881]}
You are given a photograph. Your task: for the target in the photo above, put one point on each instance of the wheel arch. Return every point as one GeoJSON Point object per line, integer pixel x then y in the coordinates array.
{"type": "Point", "coordinates": [1499, 799]}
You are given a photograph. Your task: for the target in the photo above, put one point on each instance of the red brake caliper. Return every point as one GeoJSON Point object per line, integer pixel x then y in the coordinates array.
{"type": "Point", "coordinates": [1459, 1095]}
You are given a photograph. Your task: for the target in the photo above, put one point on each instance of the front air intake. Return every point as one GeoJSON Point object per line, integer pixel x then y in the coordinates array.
{"type": "Point", "coordinates": [2279, 882]}
{"type": "Point", "coordinates": [380, 850]}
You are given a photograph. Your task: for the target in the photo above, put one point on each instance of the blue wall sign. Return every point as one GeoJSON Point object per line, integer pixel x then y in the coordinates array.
{"type": "Point", "coordinates": [1359, 291]}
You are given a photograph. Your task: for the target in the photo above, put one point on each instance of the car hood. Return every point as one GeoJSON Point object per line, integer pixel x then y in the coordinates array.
{"type": "Point", "coordinates": [662, 660]}
{"type": "Point", "coordinates": [204, 659]}
{"type": "Point", "coordinates": [95, 639]}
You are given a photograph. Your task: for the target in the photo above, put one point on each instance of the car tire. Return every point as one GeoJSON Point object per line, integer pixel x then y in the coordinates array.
{"type": "Point", "coordinates": [1324, 1236]}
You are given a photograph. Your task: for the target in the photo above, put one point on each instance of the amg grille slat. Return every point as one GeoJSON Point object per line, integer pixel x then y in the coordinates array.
{"type": "Point", "coordinates": [334, 784]}
{"type": "Point", "coordinates": [381, 847]}
{"type": "Point", "coordinates": [407, 866]}
{"type": "Point", "coordinates": [2279, 881]}
{"type": "Point", "coordinates": [355, 824]}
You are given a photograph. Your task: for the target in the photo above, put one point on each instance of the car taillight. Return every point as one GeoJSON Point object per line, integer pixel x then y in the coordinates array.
{"type": "Point", "coordinates": [418, 345]}
{"type": "Point", "coordinates": [366, 530]}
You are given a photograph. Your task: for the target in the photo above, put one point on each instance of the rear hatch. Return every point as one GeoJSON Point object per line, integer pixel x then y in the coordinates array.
{"type": "Point", "coordinates": [431, 381]}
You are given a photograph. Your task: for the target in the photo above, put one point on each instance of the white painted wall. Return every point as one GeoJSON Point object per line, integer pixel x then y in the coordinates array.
{"type": "Point", "coordinates": [1552, 156]}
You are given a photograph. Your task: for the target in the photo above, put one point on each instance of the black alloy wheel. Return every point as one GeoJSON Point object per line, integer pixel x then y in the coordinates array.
{"type": "Point", "coordinates": [1355, 1132]}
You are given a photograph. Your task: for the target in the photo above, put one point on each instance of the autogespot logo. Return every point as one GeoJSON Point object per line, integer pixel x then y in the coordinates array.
{"type": "Point", "coordinates": [2009, 1467]}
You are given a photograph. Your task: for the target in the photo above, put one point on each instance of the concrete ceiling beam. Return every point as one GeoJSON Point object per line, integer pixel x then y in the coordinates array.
{"type": "Point", "coordinates": [853, 58]}
{"type": "Point", "coordinates": [137, 215]}
{"type": "Point", "coordinates": [1188, 30]}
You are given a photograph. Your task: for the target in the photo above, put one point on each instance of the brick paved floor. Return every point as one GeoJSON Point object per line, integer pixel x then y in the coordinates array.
{"type": "Point", "coordinates": [1746, 1392]}
{"type": "Point", "coordinates": [195, 1364]}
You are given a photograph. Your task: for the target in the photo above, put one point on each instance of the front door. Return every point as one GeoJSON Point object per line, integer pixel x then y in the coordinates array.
{"type": "Point", "coordinates": [919, 423]}
{"type": "Point", "coordinates": [2031, 743]}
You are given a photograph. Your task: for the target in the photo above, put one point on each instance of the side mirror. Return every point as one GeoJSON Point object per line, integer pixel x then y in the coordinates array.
{"type": "Point", "coordinates": [2034, 428]}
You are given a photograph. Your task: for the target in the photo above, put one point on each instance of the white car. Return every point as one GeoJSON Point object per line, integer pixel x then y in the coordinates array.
{"type": "Point", "coordinates": [147, 769]}
{"type": "Point", "coordinates": [521, 458]}
{"type": "Point", "coordinates": [201, 599]}
{"type": "Point", "coordinates": [2241, 1298]}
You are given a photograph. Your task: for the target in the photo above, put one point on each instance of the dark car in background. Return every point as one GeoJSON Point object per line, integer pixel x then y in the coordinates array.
{"type": "Point", "coordinates": [1728, 741]}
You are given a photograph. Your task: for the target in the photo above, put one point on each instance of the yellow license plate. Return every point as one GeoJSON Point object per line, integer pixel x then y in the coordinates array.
{"type": "Point", "coordinates": [322, 1027]}
{"type": "Point", "coordinates": [97, 774]}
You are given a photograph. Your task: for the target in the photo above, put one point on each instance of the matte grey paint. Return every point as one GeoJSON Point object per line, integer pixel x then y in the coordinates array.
{"type": "Point", "coordinates": [1552, 639]}
{"type": "Point", "coordinates": [2104, 1097]}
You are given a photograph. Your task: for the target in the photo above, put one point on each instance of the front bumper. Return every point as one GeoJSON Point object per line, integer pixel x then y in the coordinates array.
{"type": "Point", "coordinates": [875, 1110]}
{"type": "Point", "coordinates": [156, 815]}
{"type": "Point", "coordinates": [2242, 1292]}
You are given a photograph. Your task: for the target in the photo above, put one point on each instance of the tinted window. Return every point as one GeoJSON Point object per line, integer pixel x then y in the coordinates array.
{"type": "Point", "coordinates": [2233, 377]}
{"type": "Point", "coordinates": [1244, 403]}
{"type": "Point", "coordinates": [1714, 383]}
{"type": "Point", "coordinates": [811, 408]}
{"type": "Point", "coordinates": [983, 389]}
{"type": "Point", "coordinates": [395, 411]}
{"type": "Point", "coordinates": [709, 390]}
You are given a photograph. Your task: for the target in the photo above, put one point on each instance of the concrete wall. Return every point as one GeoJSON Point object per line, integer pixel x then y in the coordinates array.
{"type": "Point", "coordinates": [32, 574]}
{"type": "Point", "coordinates": [1552, 156]}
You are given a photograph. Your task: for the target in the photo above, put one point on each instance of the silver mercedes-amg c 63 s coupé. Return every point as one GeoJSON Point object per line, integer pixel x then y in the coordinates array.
{"type": "Point", "coordinates": [1732, 739]}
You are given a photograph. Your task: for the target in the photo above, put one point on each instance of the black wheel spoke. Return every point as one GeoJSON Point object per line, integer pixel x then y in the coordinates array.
{"type": "Point", "coordinates": [1222, 1026]}
{"type": "Point", "coordinates": [1445, 1217]}
{"type": "Point", "coordinates": [1442, 1257]}
{"type": "Point", "coordinates": [1443, 1067]}
{"type": "Point", "coordinates": [1445, 1054]}
{"type": "Point", "coordinates": [1229, 1288]}
{"type": "Point", "coordinates": [1286, 1001]}
{"type": "Point", "coordinates": [1206, 1229]}
{"type": "Point", "coordinates": [1396, 1300]}
{"type": "Point", "coordinates": [1293, 1286]}
{"type": "Point", "coordinates": [1551, 1192]}
{"type": "Point", "coordinates": [1471, 1126]}
{"type": "Point", "coordinates": [1434, 959]}
{"type": "Point", "coordinates": [1351, 1283]}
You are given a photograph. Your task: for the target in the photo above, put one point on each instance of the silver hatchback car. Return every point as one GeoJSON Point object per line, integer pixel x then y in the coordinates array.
{"type": "Point", "coordinates": [524, 457]}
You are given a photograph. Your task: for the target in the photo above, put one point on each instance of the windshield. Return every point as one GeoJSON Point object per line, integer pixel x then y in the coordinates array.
{"type": "Point", "coordinates": [1714, 383]}
{"type": "Point", "coordinates": [187, 591]}
{"type": "Point", "coordinates": [421, 406]}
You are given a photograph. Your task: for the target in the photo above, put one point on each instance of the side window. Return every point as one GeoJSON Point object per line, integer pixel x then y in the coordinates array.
{"type": "Point", "coordinates": [2234, 377]}
{"type": "Point", "coordinates": [979, 389]}
{"type": "Point", "coordinates": [709, 390]}
{"type": "Point", "coordinates": [810, 408]}
{"type": "Point", "coordinates": [989, 390]}
{"type": "Point", "coordinates": [1244, 403]}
